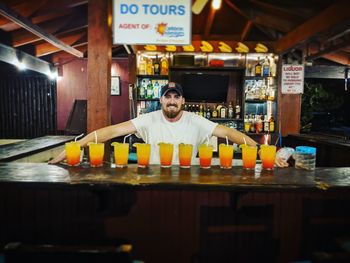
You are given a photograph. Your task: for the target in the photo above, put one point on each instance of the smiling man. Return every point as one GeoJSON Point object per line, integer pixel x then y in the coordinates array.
{"type": "Point", "coordinates": [171, 124]}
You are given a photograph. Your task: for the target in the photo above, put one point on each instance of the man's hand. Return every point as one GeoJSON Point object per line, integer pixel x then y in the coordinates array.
{"type": "Point", "coordinates": [58, 158]}
{"type": "Point", "coordinates": [281, 162]}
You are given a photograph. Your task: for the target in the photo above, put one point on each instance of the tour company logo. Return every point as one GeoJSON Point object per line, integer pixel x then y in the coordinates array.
{"type": "Point", "coordinates": [171, 31]}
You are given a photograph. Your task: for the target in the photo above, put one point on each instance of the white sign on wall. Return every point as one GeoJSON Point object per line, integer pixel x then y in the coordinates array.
{"type": "Point", "coordinates": [159, 22]}
{"type": "Point", "coordinates": [292, 79]}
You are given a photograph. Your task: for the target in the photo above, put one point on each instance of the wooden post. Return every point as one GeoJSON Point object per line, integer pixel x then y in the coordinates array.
{"type": "Point", "coordinates": [99, 64]}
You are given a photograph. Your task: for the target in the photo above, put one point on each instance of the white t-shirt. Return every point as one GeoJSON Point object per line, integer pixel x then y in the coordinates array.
{"type": "Point", "coordinates": [192, 129]}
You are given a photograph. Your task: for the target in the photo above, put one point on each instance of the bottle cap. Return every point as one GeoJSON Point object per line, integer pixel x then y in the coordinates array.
{"type": "Point", "coordinates": [305, 149]}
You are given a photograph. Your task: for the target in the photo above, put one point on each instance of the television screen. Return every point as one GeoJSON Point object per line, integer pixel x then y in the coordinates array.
{"type": "Point", "coordinates": [205, 87]}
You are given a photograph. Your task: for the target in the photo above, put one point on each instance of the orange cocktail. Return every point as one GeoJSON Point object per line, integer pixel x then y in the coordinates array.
{"type": "Point", "coordinates": [143, 152]}
{"type": "Point", "coordinates": [205, 155]}
{"type": "Point", "coordinates": [72, 153]}
{"type": "Point", "coordinates": [166, 154]}
{"type": "Point", "coordinates": [226, 156]}
{"type": "Point", "coordinates": [249, 156]}
{"type": "Point", "coordinates": [96, 153]}
{"type": "Point", "coordinates": [185, 155]}
{"type": "Point", "coordinates": [121, 154]}
{"type": "Point", "coordinates": [268, 156]}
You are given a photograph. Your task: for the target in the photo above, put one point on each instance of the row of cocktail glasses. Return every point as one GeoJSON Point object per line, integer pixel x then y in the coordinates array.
{"type": "Point", "coordinates": [143, 150]}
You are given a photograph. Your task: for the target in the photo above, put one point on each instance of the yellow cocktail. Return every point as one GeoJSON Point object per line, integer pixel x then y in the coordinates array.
{"type": "Point", "coordinates": [166, 154]}
{"type": "Point", "coordinates": [143, 152]}
{"type": "Point", "coordinates": [205, 155]}
{"type": "Point", "coordinates": [96, 153]}
{"type": "Point", "coordinates": [185, 155]}
{"type": "Point", "coordinates": [268, 156]}
{"type": "Point", "coordinates": [121, 154]}
{"type": "Point", "coordinates": [226, 156]}
{"type": "Point", "coordinates": [72, 153]}
{"type": "Point", "coordinates": [249, 156]}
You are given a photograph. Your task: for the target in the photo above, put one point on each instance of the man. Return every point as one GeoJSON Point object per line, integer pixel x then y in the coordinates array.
{"type": "Point", "coordinates": [171, 124]}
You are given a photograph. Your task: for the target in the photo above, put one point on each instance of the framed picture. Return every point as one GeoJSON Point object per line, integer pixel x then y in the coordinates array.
{"type": "Point", "coordinates": [115, 85]}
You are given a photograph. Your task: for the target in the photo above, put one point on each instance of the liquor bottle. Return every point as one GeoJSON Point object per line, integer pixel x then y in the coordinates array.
{"type": "Point", "coordinates": [142, 67]}
{"type": "Point", "coordinates": [149, 93]}
{"type": "Point", "coordinates": [230, 111]}
{"type": "Point", "coordinates": [266, 124]}
{"type": "Point", "coordinates": [164, 66]}
{"type": "Point", "coordinates": [258, 124]}
{"type": "Point", "coordinates": [246, 123]}
{"type": "Point", "coordinates": [208, 113]}
{"type": "Point", "coordinates": [272, 124]}
{"type": "Point", "coordinates": [273, 67]}
{"type": "Point", "coordinates": [201, 112]}
{"type": "Point", "coordinates": [252, 123]}
{"type": "Point", "coordinates": [156, 66]}
{"type": "Point", "coordinates": [238, 111]}
{"type": "Point", "coordinates": [149, 67]}
{"type": "Point", "coordinates": [214, 113]}
{"type": "Point", "coordinates": [156, 88]}
{"type": "Point", "coordinates": [142, 90]}
{"type": "Point", "coordinates": [266, 68]}
{"type": "Point", "coordinates": [197, 109]}
{"type": "Point", "coordinates": [223, 111]}
{"type": "Point", "coordinates": [258, 68]}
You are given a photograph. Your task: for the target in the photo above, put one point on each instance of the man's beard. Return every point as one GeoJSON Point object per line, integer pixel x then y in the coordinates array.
{"type": "Point", "coordinates": [173, 113]}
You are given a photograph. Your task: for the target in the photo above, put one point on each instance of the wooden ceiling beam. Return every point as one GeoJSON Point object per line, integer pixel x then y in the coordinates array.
{"type": "Point", "coordinates": [288, 14]}
{"type": "Point", "coordinates": [46, 48]}
{"type": "Point", "coordinates": [274, 22]}
{"type": "Point", "coordinates": [236, 9]}
{"type": "Point", "coordinates": [332, 16]}
{"type": "Point", "coordinates": [209, 22]}
{"type": "Point", "coordinates": [57, 27]}
{"type": "Point", "coordinates": [216, 37]}
{"type": "Point", "coordinates": [246, 29]}
{"type": "Point", "coordinates": [25, 23]}
{"type": "Point", "coordinates": [328, 50]}
{"type": "Point", "coordinates": [24, 8]}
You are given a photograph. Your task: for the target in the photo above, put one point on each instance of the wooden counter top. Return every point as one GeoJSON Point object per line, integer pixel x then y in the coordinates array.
{"type": "Point", "coordinates": [157, 177]}
{"type": "Point", "coordinates": [13, 151]}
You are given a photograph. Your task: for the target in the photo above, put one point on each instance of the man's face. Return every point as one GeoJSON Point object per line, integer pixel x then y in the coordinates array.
{"type": "Point", "coordinates": [172, 104]}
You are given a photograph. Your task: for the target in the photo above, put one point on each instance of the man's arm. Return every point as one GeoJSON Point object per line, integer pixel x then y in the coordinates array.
{"type": "Point", "coordinates": [233, 135]}
{"type": "Point", "coordinates": [103, 134]}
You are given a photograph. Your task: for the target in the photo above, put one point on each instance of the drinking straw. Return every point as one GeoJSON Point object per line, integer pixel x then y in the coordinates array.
{"type": "Point", "coordinates": [207, 140]}
{"type": "Point", "coordinates": [245, 142]}
{"type": "Point", "coordinates": [226, 141]}
{"type": "Point", "coordinates": [266, 139]}
{"type": "Point", "coordinates": [126, 137]}
{"type": "Point", "coordinates": [77, 137]}
{"type": "Point", "coordinates": [146, 138]}
{"type": "Point", "coordinates": [95, 133]}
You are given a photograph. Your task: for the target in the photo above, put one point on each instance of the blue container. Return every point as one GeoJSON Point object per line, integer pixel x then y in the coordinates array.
{"type": "Point", "coordinates": [305, 157]}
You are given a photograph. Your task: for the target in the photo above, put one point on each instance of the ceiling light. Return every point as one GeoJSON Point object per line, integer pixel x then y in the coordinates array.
{"type": "Point", "coordinates": [216, 4]}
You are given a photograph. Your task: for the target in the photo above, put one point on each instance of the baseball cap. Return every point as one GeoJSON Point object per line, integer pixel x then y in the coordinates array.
{"type": "Point", "coordinates": [171, 86]}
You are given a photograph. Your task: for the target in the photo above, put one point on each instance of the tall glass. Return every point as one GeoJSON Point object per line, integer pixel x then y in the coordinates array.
{"type": "Point", "coordinates": [96, 153]}
{"type": "Point", "coordinates": [205, 155]}
{"type": "Point", "coordinates": [268, 156]}
{"type": "Point", "coordinates": [249, 156]}
{"type": "Point", "coordinates": [226, 156]}
{"type": "Point", "coordinates": [166, 154]}
{"type": "Point", "coordinates": [143, 152]}
{"type": "Point", "coordinates": [185, 155]}
{"type": "Point", "coordinates": [72, 153]}
{"type": "Point", "coordinates": [121, 154]}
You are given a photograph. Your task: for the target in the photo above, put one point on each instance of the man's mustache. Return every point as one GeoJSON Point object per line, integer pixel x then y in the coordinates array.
{"type": "Point", "coordinates": [174, 105]}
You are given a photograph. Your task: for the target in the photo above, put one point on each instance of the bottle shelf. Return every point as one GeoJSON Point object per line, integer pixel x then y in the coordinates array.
{"type": "Point", "coordinates": [144, 99]}
{"type": "Point", "coordinates": [225, 119]}
{"type": "Point", "coordinates": [258, 101]}
{"type": "Point", "coordinates": [152, 76]}
{"type": "Point", "coordinates": [257, 77]}
{"type": "Point", "coordinates": [206, 68]}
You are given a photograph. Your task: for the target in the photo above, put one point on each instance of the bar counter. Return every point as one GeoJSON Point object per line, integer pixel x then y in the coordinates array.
{"type": "Point", "coordinates": [156, 177]}
{"type": "Point", "coordinates": [178, 215]}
